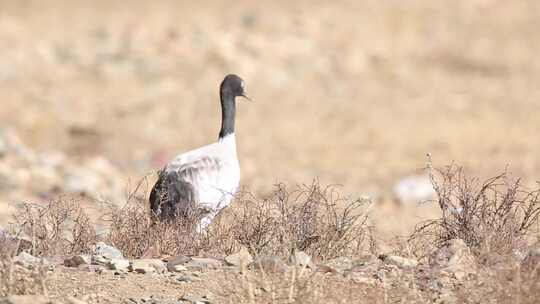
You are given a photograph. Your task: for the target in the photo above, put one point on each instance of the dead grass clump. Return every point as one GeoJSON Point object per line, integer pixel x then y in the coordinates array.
{"type": "Point", "coordinates": [296, 285]}
{"type": "Point", "coordinates": [300, 285]}
{"type": "Point", "coordinates": [16, 280]}
{"type": "Point", "coordinates": [311, 218]}
{"type": "Point", "coordinates": [506, 285]}
{"type": "Point", "coordinates": [128, 229]}
{"type": "Point", "coordinates": [58, 227]}
{"type": "Point", "coordinates": [492, 217]}
{"type": "Point", "coordinates": [134, 231]}
{"type": "Point", "coordinates": [8, 245]}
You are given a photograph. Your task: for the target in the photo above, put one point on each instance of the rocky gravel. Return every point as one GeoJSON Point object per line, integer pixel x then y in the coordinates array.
{"type": "Point", "coordinates": [74, 100]}
{"type": "Point", "coordinates": [77, 260]}
{"type": "Point", "coordinates": [30, 175]}
{"type": "Point", "coordinates": [242, 257]}
{"type": "Point", "coordinates": [194, 279]}
{"type": "Point", "coordinates": [28, 261]}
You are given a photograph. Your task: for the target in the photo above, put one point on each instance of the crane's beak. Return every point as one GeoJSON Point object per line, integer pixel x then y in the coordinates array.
{"type": "Point", "coordinates": [246, 97]}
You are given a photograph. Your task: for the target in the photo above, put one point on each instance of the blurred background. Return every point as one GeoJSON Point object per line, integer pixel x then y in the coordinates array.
{"type": "Point", "coordinates": [95, 95]}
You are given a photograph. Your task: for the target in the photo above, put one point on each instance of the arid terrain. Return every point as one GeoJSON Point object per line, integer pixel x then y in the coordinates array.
{"type": "Point", "coordinates": [95, 96]}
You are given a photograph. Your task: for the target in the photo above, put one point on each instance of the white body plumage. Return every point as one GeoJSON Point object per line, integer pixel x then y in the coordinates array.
{"type": "Point", "coordinates": [205, 178]}
{"type": "Point", "coordinates": [213, 171]}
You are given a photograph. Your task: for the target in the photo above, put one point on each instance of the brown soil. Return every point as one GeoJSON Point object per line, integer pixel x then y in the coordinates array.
{"type": "Point", "coordinates": [350, 92]}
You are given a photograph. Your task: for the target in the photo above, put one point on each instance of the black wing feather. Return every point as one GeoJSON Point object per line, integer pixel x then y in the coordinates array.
{"type": "Point", "coordinates": [172, 196]}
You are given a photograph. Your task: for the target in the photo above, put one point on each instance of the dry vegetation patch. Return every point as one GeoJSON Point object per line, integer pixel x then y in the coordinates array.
{"type": "Point", "coordinates": [298, 285]}
{"type": "Point", "coordinates": [311, 218]}
{"type": "Point", "coordinates": [15, 279]}
{"type": "Point", "coordinates": [492, 217]}
{"type": "Point", "coordinates": [60, 226]}
{"type": "Point", "coordinates": [19, 280]}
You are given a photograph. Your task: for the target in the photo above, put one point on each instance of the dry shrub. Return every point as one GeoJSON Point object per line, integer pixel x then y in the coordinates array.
{"type": "Point", "coordinates": [300, 285]}
{"type": "Point", "coordinates": [416, 246]}
{"type": "Point", "coordinates": [8, 245]}
{"type": "Point", "coordinates": [129, 229]}
{"type": "Point", "coordinates": [494, 216]}
{"type": "Point", "coordinates": [15, 279]}
{"type": "Point", "coordinates": [296, 285]}
{"type": "Point", "coordinates": [58, 227]}
{"type": "Point", "coordinates": [135, 231]}
{"type": "Point", "coordinates": [311, 218]}
{"type": "Point", "coordinates": [501, 285]}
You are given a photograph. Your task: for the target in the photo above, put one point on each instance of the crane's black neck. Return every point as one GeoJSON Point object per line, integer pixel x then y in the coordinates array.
{"type": "Point", "coordinates": [228, 112]}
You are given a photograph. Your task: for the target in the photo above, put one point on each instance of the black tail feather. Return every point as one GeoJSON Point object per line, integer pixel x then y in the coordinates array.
{"type": "Point", "coordinates": [172, 197]}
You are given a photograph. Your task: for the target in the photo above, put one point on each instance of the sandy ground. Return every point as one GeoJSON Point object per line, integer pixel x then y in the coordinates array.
{"type": "Point", "coordinates": [350, 92]}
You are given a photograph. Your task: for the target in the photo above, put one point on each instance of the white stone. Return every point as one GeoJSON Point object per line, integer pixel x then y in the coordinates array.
{"type": "Point", "coordinates": [107, 251]}
{"type": "Point", "coordinates": [177, 268]}
{"type": "Point", "coordinates": [148, 266]}
{"type": "Point", "coordinates": [400, 261]}
{"type": "Point", "coordinates": [413, 189]}
{"type": "Point", "coordinates": [27, 260]}
{"type": "Point", "coordinates": [203, 263]}
{"type": "Point", "coordinates": [242, 257]}
{"type": "Point", "coordinates": [454, 258]}
{"type": "Point", "coordinates": [300, 258]}
{"type": "Point", "coordinates": [118, 264]}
